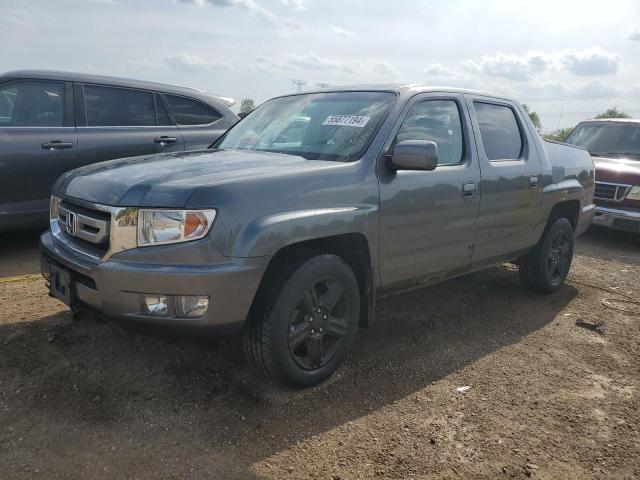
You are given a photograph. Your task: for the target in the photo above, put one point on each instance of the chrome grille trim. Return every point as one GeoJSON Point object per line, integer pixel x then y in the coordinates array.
{"type": "Point", "coordinates": [615, 192]}
{"type": "Point", "coordinates": [87, 228]}
{"type": "Point", "coordinates": [118, 234]}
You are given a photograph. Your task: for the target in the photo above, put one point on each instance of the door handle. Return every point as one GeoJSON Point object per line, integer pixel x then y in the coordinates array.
{"type": "Point", "coordinates": [468, 190]}
{"type": "Point", "coordinates": [165, 139]}
{"type": "Point", "coordinates": [533, 181]}
{"type": "Point", "coordinates": [57, 145]}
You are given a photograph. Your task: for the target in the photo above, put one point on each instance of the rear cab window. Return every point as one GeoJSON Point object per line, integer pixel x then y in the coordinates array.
{"type": "Point", "coordinates": [189, 112]}
{"type": "Point", "coordinates": [499, 130]}
{"type": "Point", "coordinates": [27, 103]}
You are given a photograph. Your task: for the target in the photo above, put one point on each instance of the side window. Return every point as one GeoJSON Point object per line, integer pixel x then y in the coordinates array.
{"type": "Point", "coordinates": [439, 122]}
{"type": "Point", "coordinates": [191, 112]}
{"type": "Point", "coordinates": [499, 131]}
{"type": "Point", "coordinates": [32, 104]}
{"type": "Point", "coordinates": [162, 116]}
{"type": "Point", "coordinates": [119, 107]}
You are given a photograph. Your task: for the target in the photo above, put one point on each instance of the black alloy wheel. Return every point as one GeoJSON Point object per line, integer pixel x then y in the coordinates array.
{"type": "Point", "coordinates": [318, 323]}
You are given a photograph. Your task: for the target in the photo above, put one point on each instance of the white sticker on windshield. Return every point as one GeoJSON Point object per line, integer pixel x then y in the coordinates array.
{"type": "Point", "coordinates": [346, 120]}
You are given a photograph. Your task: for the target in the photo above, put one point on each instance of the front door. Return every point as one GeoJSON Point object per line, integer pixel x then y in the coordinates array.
{"type": "Point", "coordinates": [37, 144]}
{"type": "Point", "coordinates": [428, 218]}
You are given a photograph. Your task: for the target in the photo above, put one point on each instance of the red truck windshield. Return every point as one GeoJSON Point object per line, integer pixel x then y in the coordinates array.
{"type": "Point", "coordinates": [607, 138]}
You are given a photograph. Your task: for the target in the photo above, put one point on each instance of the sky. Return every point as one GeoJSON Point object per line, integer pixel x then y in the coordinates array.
{"type": "Point", "coordinates": [567, 59]}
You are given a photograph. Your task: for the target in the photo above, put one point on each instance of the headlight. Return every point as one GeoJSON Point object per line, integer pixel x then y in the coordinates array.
{"type": "Point", "coordinates": [158, 227]}
{"type": "Point", "coordinates": [634, 194]}
{"type": "Point", "coordinates": [54, 209]}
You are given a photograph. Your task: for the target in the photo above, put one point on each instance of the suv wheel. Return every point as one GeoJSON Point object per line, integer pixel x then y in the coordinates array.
{"type": "Point", "coordinates": [301, 330]}
{"type": "Point", "coordinates": [545, 269]}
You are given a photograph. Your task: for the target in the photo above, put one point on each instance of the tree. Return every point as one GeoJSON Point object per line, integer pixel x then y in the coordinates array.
{"type": "Point", "coordinates": [247, 105]}
{"type": "Point", "coordinates": [613, 113]}
{"type": "Point", "coordinates": [559, 135]}
{"type": "Point", "coordinates": [535, 118]}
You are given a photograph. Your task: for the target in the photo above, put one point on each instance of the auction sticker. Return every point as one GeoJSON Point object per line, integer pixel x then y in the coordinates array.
{"type": "Point", "coordinates": [346, 120]}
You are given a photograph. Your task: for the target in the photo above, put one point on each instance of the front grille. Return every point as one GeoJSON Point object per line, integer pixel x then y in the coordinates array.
{"type": "Point", "coordinates": [85, 229]}
{"type": "Point", "coordinates": [615, 192]}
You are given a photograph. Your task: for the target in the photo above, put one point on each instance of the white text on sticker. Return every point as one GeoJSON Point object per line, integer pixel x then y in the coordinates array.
{"type": "Point", "coordinates": [346, 120]}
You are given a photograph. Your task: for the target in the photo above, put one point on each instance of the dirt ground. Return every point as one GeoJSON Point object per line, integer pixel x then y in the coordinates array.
{"type": "Point", "coordinates": [554, 387]}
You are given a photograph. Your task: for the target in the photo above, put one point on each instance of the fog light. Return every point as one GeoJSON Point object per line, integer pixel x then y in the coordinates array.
{"type": "Point", "coordinates": [155, 304]}
{"type": "Point", "coordinates": [192, 305]}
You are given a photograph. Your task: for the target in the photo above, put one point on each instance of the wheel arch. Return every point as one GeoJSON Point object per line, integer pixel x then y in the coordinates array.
{"type": "Point", "coordinates": [352, 248]}
{"type": "Point", "coordinates": [569, 209]}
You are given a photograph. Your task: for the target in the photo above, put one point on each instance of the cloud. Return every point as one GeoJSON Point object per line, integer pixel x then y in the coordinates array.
{"type": "Point", "coordinates": [438, 74]}
{"type": "Point", "coordinates": [314, 62]}
{"type": "Point", "coordinates": [296, 4]}
{"type": "Point", "coordinates": [598, 89]}
{"type": "Point", "coordinates": [634, 35]}
{"type": "Point", "coordinates": [255, 9]}
{"type": "Point", "coordinates": [438, 70]}
{"type": "Point", "coordinates": [509, 66]}
{"type": "Point", "coordinates": [381, 67]}
{"type": "Point", "coordinates": [267, 65]}
{"type": "Point", "coordinates": [592, 62]}
{"type": "Point", "coordinates": [15, 18]}
{"type": "Point", "coordinates": [180, 62]}
{"type": "Point", "coordinates": [341, 31]}
{"type": "Point", "coordinates": [185, 62]}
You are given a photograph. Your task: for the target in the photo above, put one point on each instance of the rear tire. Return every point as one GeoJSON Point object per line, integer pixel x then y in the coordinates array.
{"type": "Point", "coordinates": [304, 321]}
{"type": "Point", "coordinates": [545, 269]}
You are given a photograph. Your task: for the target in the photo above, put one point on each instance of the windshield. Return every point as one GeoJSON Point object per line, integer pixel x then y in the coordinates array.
{"type": "Point", "coordinates": [335, 126]}
{"type": "Point", "coordinates": [611, 138]}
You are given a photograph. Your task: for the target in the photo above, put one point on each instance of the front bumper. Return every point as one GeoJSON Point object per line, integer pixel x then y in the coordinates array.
{"type": "Point", "coordinates": [112, 289]}
{"type": "Point", "coordinates": [617, 218]}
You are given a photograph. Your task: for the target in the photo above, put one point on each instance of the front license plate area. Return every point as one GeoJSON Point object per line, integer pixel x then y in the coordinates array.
{"type": "Point", "coordinates": [60, 284]}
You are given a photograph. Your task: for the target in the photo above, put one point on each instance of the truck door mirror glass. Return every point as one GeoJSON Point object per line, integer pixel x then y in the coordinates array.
{"type": "Point", "coordinates": [414, 155]}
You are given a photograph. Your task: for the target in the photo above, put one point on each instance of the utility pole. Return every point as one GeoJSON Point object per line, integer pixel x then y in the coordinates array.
{"type": "Point", "coordinates": [298, 85]}
{"type": "Point", "coordinates": [560, 118]}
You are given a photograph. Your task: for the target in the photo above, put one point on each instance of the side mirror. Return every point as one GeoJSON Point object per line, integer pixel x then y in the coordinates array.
{"type": "Point", "coordinates": [414, 155]}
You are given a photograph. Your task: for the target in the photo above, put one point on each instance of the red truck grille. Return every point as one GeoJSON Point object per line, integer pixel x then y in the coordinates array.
{"type": "Point", "coordinates": [615, 192]}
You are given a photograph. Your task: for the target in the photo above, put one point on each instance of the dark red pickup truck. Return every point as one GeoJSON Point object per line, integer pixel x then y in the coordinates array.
{"type": "Point", "coordinates": [614, 145]}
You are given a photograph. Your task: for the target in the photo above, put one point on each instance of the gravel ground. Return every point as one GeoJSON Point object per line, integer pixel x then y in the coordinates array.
{"type": "Point", "coordinates": [553, 387]}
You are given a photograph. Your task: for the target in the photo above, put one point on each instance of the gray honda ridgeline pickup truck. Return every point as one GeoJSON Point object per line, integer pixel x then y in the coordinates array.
{"type": "Point", "coordinates": [298, 216]}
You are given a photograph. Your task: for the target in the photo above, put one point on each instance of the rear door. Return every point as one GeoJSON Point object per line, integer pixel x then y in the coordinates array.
{"type": "Point", "coordinates": [511, 182]}
{"type": "Point", "coordinates": [120, 122]}
{"type": "Point", "coordinates": [200, 124]}
{"type": "Point", "coordinates": [428, 218]}
{"type": "Point", "coordinates": [37, 144]}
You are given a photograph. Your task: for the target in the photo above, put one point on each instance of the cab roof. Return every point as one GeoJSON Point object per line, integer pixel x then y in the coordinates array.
{"type": "Point", "coordinates": [401, 89]}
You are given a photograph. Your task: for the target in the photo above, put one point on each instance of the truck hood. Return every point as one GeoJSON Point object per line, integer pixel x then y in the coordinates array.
{"type": "Point", "coordinates": [617, 170]}
{"type": "Point", "coordinates": [170, 180]}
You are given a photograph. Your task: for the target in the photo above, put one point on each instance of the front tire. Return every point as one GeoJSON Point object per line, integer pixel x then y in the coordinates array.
{"type": "Point", "coordinates": [304, 323]}
{"type": "Point", "coordinates": [545, 269]}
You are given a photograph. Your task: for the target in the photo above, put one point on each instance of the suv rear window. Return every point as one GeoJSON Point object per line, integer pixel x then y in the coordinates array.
{"type": "Point", "coordinates": [191, 112]}
{"type": "Point", "coordinates": [32, 104]}
{"type": "Point", "coordinates": [499, 131]}
{"type": "Point", "coordinates": [119, 107]}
